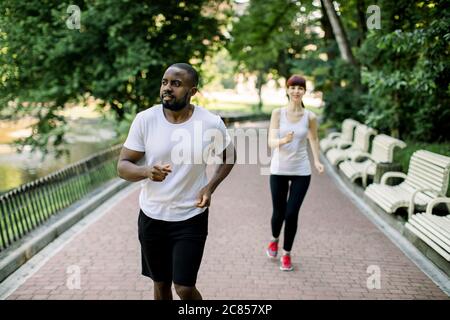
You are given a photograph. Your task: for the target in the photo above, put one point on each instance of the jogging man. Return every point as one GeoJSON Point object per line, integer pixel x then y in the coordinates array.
{"type": "Point", "coordinates": [176, 139]}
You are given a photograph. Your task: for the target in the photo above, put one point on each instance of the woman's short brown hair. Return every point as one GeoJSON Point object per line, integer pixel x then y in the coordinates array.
{"type": "Point", "coordinates": [296, 80]}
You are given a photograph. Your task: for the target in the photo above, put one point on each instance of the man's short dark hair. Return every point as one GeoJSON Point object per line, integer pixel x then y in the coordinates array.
{"type": "Point", "coordinates": [189, 69]}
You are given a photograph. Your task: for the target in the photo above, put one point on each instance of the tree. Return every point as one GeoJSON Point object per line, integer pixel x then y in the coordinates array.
{"type": "Point", "coordinates": [118, 55]}
{"type": "Point", "coordinates": [338, 79]}
{"type": "Point", "coordinates": [269, 37]}
{"type": "Point", "coordinates": [406, 68]}
{"type": "Point", "coordinates": [339, 32]}
{"type": "Point", "coordinates": [395, 79]}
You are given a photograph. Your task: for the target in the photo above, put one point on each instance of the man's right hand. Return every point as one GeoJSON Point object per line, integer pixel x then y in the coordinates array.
{"type": "Point", "coordinates": [158, 173]}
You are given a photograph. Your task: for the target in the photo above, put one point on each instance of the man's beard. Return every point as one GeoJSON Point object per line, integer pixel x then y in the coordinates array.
{"type": "Point", "coordinates": [174, 104]}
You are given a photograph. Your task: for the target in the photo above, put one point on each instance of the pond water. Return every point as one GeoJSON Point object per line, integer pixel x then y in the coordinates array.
{"type": "Point", "coordinates": [86, 137]}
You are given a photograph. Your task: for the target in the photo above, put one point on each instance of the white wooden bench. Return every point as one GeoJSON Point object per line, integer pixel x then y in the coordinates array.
{"type": "Point", "coordinates": [360, 144]}
{"type": "Point", "coordinates": [427, 179]}
{"type": "Point", "coordinates": [363, 165]}
{"type": "Point", "coordinates": [342, 139]}
{"type": "Point", "coordinates": [432, 229]}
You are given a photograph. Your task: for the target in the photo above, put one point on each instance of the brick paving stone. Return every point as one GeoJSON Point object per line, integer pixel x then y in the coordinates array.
{"type": "Point", "coordinates": [333, 249]}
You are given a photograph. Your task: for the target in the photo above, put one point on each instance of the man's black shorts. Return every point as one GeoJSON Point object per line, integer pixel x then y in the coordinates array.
{"type": "Point", "coordinates": [172, 251]}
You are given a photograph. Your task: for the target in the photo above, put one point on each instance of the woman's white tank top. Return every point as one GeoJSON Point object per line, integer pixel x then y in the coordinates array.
{"type": "Point", "coordinates": [292, 158]}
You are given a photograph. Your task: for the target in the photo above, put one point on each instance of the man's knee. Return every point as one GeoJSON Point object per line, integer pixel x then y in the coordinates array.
{"type": "Point", "coordinates": [184, 291]}
{"type": "Point", "coordinates": [162, 286]}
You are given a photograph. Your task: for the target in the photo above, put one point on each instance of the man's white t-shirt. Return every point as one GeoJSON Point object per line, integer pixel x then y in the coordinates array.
{"type": "Point", "coordinates": [188, 147]}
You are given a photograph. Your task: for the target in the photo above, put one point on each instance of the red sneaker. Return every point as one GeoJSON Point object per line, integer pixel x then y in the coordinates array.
{"type": "Point", "coordinates": [272, 249]}
{"type": "Point", "coordinates": [286, 264]}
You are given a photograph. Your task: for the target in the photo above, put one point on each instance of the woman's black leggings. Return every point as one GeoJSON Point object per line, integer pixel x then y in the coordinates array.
{"type": "Point", "coordinates": [287, 209]}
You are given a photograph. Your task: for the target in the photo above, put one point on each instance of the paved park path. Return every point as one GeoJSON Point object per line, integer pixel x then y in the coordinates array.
{"type": "Point", "coordinates": [334, 247]}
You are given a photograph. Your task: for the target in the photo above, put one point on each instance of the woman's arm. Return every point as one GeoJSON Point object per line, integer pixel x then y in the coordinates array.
{"type": "Point", "coordinates": [274, 128]}
{"type": "Point", "coordinates": [314, 142]}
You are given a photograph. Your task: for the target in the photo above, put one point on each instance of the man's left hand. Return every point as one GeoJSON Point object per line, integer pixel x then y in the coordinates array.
{"type": "Point", "coordinates": [204, 197]}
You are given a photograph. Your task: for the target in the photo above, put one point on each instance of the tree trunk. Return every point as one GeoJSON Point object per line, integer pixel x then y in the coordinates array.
{"type": "Point", "coordinates": [395, 130]}
{"type": "Point", "coordinates": [259, 82]}
{"type": "Point", "coordinates": [326, 26]}
{"type": "Point", "coordinates": [339, 33]}
{"type": "Point", "coordinates": [282, 66]}
{"type": "Point", "coordinates": [361, 8]}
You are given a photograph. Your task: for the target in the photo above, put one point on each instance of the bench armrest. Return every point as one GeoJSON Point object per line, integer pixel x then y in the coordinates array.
{"type": "Point", "coordinates": [343, 144]}
{"type": "Point", "coordinates": [365, 173]}
{"type": "Point", "coordinates": [358, 157]}
{"type": "Point", "coordinates": [392, 174]}
{"type": "Point", "coordinates": [411, 201]}
{"type": "Point", "coordinates": [333, 135]}
{"type": "Point", "coordinates": [434, 202]}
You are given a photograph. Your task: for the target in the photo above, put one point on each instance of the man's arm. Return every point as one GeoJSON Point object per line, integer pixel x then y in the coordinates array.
{"type": "Point", "coordinates": [222, 171]}
{"type": "Point", "coordinates": [128, 169]}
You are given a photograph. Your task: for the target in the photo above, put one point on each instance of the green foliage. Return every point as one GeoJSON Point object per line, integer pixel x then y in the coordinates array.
{"type": "Point", "coordinates": [270, 36]}
{"type": "Point", "coordinates": [266, 35]}
{"type": "Point", "coordinates": [406, 71]}
{"type": "Point", "coordinates": [218, 71]}
{"type": "Point", "coordinates": [342, 94]}
{"type": "Point", "coordinates": [280, 37]}
{"type": "Point", "coordinates": [401, 85]}
{"type": "Point", "coordinates": [124, 126]}
{"type": "Point", "coordinates": [118, 55]}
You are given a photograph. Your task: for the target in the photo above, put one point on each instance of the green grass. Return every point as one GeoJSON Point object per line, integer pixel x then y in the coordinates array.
{"type": "Point", "coordinates": [324, 128]}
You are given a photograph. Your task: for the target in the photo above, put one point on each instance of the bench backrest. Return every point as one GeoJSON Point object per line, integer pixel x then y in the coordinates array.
{"type": "Point", "coordinates": [362, 137]}
{"type": "Point", "coordinates": [348, 126]}
{"type": "Point", "coordinates": [429, 170]}
{"type": "Point", "coordinates": [383, 148]}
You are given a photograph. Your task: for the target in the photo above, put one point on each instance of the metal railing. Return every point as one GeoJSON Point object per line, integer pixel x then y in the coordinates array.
{"type": "Point", "coordinates": [25, 208]}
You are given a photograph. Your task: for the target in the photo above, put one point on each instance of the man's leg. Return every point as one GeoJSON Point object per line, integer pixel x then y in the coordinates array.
{"type": "Point", "coordinates": [162, 290]}
{"type": "Point", "coordinates": [187, 293]}
{"type": "Point", "coordinates": [187, 259]}
{"type": "Point", "coordinates": [156, 255]}
{"type": "Point", "coordinates": [187, 253]}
